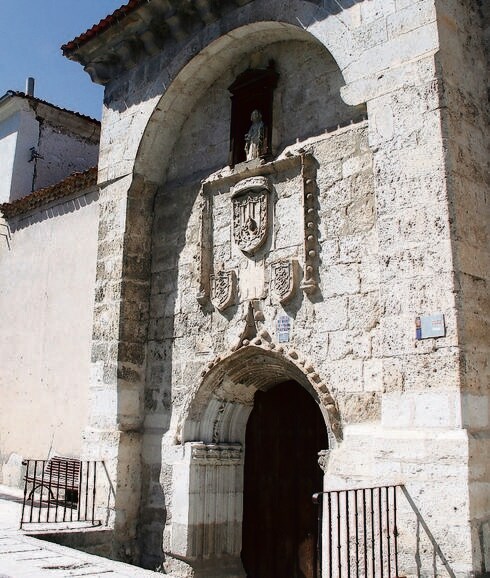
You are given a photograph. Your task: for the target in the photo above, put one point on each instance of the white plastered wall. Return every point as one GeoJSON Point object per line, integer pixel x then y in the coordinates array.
{"type": "Point", "coordinates": [46, 308]}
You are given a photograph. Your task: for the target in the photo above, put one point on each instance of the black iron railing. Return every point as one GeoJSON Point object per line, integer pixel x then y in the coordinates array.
{"type": "Point", "coordinates": [357, 533]}
{"type": "Point", "coordinates": [59, 490]}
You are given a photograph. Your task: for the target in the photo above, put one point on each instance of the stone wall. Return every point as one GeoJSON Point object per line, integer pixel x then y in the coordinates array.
{"type": "Point", "coordinates": [382, 253]}
{"type": "Point", "coordinates": [113, 431]}
{"type": "Point", "coordinates": [334, 331]}
{"type": "Point", "coordinates": [206, 132]}
{"type": "Point", "coordinates": [465, 129]}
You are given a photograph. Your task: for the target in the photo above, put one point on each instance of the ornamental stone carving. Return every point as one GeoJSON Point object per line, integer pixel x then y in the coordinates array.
{"type": "Point", "coordinates": [218, 454]}
{"type": "Point", "coordinates": [310, 214]}
{"type": "Point", "coordinates": [250, 199]}
{"type": "Point", "coordinates": [284, 277]}
{"type": "Point", "coordinates": [254, 139]}
{"type": "Point", "coordinates": [323, 458]}
{"type": "Point", "coordinates": [205, 253]}
{"type": "Point", "coordinates": [223, 289]}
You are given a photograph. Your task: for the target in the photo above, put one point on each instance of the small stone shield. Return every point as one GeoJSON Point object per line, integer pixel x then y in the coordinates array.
{"type": "Point", "coordinates": [250, 199]}
{"type": "Point", "coordinates": [284, 277]}
{"type": "Point", "coordinates": [223, 289]}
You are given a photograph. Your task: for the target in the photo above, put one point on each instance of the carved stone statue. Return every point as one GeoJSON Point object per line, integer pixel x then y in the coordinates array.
{"type": "Point", "coordinates": [254, 139]}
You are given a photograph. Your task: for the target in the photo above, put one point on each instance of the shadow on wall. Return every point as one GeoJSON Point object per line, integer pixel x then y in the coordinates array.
{"type": "Point", "coordinates": [337, 6]}
{"type": "Point", "coordinates": [57, 209]}
{"type": "Point", "coordinates": [163, 386]}
{"type": "Point", "coordinates": [372, 531]}
{"type": "Point", "coordinates": [436, 549]}
{"type": "Point", "coordinates": [163, 68]}
{"type": "Point", "coordinates": [427, 549]}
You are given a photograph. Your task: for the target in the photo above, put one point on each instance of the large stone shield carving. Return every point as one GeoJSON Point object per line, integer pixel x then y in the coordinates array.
{"type": "Point", "coordinates": [251, 213]}
{"type": "Point", "coordinates": [223, 289]}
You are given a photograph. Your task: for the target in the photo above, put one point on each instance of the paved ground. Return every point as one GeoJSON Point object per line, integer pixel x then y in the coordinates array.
{"type": "Point", "coordinates": [23, 556]}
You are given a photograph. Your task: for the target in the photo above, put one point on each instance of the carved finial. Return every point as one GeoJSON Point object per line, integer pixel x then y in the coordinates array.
{"type": "Point", "coordinates": [251, 330]}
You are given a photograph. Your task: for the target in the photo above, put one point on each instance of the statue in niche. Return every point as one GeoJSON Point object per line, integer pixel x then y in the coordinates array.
{"type": "Point", "coordinates": [254, 139]}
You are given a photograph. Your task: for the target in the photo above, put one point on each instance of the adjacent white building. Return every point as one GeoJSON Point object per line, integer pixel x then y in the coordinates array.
{"type": "Point", "coordinates": [41, 144]}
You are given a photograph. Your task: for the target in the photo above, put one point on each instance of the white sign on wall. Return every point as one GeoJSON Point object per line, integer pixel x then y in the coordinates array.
{"type": "Point", "coordinates": [428, 326]}
{"type": "Point", "coordinates": [283, 328]}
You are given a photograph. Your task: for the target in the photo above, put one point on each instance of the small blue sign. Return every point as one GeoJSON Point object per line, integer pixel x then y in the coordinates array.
{"type": "Point", "coordinates": [283, 328]}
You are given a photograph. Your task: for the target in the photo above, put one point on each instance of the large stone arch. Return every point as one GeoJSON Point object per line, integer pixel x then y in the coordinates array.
{"type": "Point", "coordinates": [121, 317]}
{"type": "Point", "coordinates": [252, 26]}
{"type": "Point", "coordinates": [201, 60]}
{"type": "Point", "coordinates": [213, 425]}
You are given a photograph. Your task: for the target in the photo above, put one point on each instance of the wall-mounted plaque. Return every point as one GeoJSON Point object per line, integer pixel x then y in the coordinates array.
{"type": "Point", "coordinates": [429, 326]}
{"type": "Point", "coordinates": [283, 328]}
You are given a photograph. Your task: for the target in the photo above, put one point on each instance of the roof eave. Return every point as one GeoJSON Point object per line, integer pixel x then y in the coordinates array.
{"type": "Point", "coordinates": [143, 28]}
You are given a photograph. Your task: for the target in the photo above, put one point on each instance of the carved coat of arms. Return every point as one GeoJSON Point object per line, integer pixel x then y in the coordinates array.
{"type": "Point", "coordinates": [250, 199]}
{"type": "Point", "coordinates": [284, 276]}
{"type": "Point", "coordinates": [223, 289]}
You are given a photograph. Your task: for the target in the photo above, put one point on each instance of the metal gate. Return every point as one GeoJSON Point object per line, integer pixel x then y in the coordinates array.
{"type": "Point", "coordinates": [59, 490]}
{"type": "Point", "coordinates": [358, 535]}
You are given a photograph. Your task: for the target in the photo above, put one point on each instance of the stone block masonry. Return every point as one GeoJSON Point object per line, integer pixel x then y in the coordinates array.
{"type": "Point", "coordinates": [310, 265]}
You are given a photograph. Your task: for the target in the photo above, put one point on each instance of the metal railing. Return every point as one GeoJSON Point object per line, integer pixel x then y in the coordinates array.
{"type": "Point", "coordinates": [59, 490]}
{"type": "Point", "coordinates": [357, 533]}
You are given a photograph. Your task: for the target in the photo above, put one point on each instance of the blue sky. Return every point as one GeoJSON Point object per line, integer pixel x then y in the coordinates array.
{"type": "Point", "coordinates": [31, 34]}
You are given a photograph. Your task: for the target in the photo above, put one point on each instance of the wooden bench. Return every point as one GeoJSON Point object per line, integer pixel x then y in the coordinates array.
{"type": "Point", "coordinates": [59, 475]}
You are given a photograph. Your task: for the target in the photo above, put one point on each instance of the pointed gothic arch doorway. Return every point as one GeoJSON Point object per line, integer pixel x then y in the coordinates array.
{"type": "Point", "coordinates": [285, 432]}
{"type": "Point", "coordinates": [246, 397]}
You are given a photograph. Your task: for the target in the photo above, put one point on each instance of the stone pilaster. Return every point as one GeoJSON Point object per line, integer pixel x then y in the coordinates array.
{"type": "Point", "coordinates": [119, 352]}
{"type": "Point", "coordinates": [207, 509]}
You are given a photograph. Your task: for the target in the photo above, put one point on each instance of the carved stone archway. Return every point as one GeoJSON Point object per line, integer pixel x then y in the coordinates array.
{"type": "Point", "coordinates": [208, 480]}
{"type": "Point", "coordinates": [219, 408]}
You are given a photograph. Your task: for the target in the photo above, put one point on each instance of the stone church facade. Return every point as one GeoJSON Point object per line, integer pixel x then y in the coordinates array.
{"type": "Point", "coordinates": [232, 280]}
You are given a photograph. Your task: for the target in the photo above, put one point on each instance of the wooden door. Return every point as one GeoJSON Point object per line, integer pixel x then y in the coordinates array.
{"type": "Point", "coordinates": [284, 434]}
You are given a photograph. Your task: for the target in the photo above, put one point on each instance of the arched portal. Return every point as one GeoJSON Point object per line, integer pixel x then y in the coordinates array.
{"type": "Point", "coordinates": [186, 138]}
{"type": "Point", "coordinates": [285, 433]}
{"type": "Point", "coordinates": [223, 428]}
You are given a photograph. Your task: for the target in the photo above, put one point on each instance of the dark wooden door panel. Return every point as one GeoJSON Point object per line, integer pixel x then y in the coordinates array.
{"type": "Point", "coordinates": [285, 432]}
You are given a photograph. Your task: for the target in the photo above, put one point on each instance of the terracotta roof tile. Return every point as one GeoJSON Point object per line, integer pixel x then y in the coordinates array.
{"type": "Point", "coordinates": [75, 183]}
{"type": "Point", "coordinates": [103, 25]}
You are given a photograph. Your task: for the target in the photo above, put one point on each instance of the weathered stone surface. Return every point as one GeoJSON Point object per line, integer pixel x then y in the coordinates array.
{"type": "Point", "coordinates": [387, 219]}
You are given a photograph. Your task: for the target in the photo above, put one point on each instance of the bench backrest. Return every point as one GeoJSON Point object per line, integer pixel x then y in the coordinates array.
{"type": "Point", "coordinates": [64, 469]}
